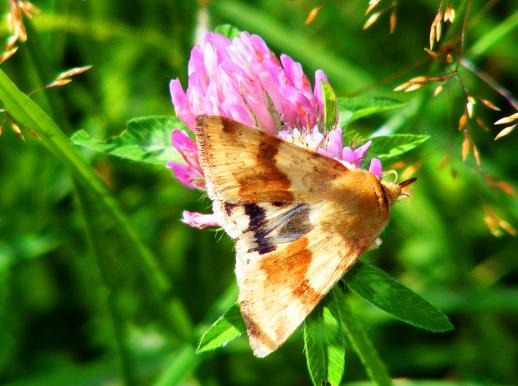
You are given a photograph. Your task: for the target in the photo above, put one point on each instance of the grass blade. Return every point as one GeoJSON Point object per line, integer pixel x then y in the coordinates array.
{"type": "Point", "coordinates": [183, 362]}
{"type": "Point", "coordinates": [120, 330]}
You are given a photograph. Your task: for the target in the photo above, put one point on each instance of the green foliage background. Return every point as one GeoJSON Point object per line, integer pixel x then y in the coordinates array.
{"type": "Point", "coordinates": [80, 298]}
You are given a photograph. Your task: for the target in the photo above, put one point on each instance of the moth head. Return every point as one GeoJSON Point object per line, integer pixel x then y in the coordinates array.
{"type": "Point", "coordinates": [395, 191]}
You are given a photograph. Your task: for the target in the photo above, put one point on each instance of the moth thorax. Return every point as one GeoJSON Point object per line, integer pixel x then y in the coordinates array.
{"type": "Point", "coordinates": [393, 191]}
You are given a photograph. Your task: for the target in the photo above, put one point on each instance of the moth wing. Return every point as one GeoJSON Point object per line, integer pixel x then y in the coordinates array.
{"type": "Point", "coordinates": [244, 164]}
{"type": "Point", "coordinates": [300, 220]}
{"type": "Point", "coordinates": [278, 290]}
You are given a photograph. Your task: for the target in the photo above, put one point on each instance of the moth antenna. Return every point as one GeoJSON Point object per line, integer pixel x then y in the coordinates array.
{"type": "Point", "coordinates": [408, 182]}
{"type": "Point", "coordinates": [392, 172]}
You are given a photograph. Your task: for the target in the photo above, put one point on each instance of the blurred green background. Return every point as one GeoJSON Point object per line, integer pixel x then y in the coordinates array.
{"type": "Point", "coordinates": [77, 312]}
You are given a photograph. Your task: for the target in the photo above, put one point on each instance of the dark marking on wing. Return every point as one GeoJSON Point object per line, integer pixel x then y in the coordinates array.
{"type": "Point", "coordinates": [256, 224]}
{"type": "Point", "coordinates": [287, 226]}
{"type": "Point", "coordinates": [263, 246]}
{"type": "Point", "coordinates": [229, 126]}
{"type": "Point", "coordinates": [257, 216]}
{"type": "Point", "coordinates": [229, 207]}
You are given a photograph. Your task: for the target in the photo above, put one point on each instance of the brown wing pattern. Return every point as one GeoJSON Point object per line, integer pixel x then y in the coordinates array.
{"type": "Point", "coordinates": [300, 221]}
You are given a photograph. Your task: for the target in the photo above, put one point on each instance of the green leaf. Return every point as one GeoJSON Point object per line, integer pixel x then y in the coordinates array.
{"type": "Point", "coordinates": [324, 346]}
{"type": "Point", "coordinates": [147, 140]}
{"type": "Point", "coordinates": [358, 338]}
{"type": "Point", "coordinates": [329, 106]}
{"type": "Point", "coordinates": [352, 109]}
{"type": "Point", "coordinates": [228, 30]}
{"type": "Point", "coordinates": [228, 327]}
{"type": "Point", "coordinates": [385, 292]}
{"type": "Point", "coordinates": [390, 146]}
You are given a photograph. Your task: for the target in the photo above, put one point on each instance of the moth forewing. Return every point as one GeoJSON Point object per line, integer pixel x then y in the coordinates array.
{"type": "Point", "coordinates": [244, 164]}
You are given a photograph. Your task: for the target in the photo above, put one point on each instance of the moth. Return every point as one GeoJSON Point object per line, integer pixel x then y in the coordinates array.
{"type": "Point", "coordinates": [299, 220]}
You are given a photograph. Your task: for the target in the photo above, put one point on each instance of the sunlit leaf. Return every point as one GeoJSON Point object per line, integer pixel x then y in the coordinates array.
{"type": "Point", "coordinates": [372, 5]}
{"type": "Point", "coordinates": [147, 139]}
{"type": "Point", "coordinates": [389, 146]}
{"type": "Point", "coordinates": [462, 121]}
{"type": "Point", "coordinates": [228, 327]}
{"type": "Point", "coordinates": [507, 119]}
{"type": "Point", "coordinates": [73, 72]}
{"type": "Point", "coordinates": [387, 293]}
{"type": "Point", "coordinates": [393, 20]}
{"type": "Point", "coordinates": [490, 104]}
{"type": "Point", "coordinates": [7, 54]}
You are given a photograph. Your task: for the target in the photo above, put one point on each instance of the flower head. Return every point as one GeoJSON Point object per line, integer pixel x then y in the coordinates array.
{"type": "Point", "coordinates": [243, 79]}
